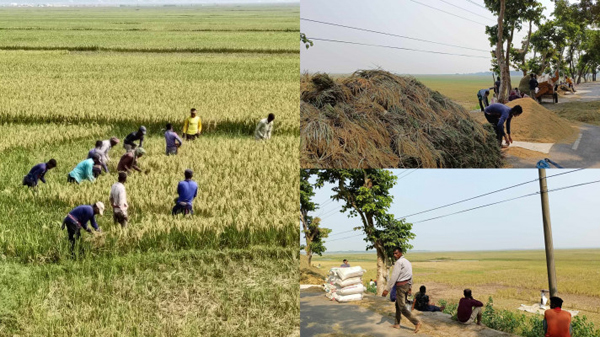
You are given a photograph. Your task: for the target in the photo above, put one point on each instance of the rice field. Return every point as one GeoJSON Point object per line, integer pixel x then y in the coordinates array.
{"type": "Point", "coordinates": [164, 275]}
{"type": "Point", "coordinates": [512, 278]}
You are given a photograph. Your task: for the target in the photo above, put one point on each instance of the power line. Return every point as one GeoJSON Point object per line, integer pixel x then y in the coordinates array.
{"type": "Point", "coordinates": [352, 230]}
{"type": "Point", "coordinates": [507, 200]}
{"type": "Point", "coordinates": [344, 238]}
{"type": "Point", "coordinates": [443, 11]}
{"type": "Point", "coordinates": [476, 4]}
{"type": "Point", "coordinates": [392, 47]}
{"type": "Point", "coordinates": [464, 9]}
{"type": "Point", "coordinates": [394, 35]}
{"type": "Point", "coordinates": [488, 193]}
{"type": "Point", "coordinates": [406, 175]}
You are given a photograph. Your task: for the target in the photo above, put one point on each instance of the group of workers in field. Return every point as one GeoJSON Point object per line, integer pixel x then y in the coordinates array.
{"type": "Point", "coordinates": [97, 161]}
{"type": "Point", "coordinates": [557, 322]}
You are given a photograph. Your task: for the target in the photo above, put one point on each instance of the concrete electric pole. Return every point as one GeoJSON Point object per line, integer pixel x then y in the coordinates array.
{"type": "Point", "coordinates": [548, 234]}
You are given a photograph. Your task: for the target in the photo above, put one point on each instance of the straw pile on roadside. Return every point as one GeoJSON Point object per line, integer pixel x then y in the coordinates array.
{"type": "Point", "coordinates": [375, 119]}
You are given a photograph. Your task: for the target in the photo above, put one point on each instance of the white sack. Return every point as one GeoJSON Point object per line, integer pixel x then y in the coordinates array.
{"type": "Point", "coordinates": [345, 273]}
{"type": "Point", "coordinates": [349, 298]}
{"type": "Point", "coordinates": [351, 290]}
{"type": "Point", "coordinates": [348, 282]}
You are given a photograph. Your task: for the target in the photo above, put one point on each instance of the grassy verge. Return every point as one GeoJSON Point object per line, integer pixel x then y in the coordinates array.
{"type": "Point", "coordinates": [585, 112]}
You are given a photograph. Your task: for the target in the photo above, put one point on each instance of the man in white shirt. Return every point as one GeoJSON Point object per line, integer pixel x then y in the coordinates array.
{"type": "Point", "coordinates": [102, 148]}
{"type": "Point", "coordinates": [264, 128]}
{"type": "Point", "coordinates": [118, 200]}
{"type": "Point", "coordinates": [401, 278]}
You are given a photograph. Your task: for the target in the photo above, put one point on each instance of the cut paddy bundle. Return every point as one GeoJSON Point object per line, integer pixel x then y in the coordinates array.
{"type": "Point", "coordinates": [376, 119]}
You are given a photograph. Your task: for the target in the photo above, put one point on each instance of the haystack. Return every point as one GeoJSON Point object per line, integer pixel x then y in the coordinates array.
{"type": "Point", "coordinates": [537, 124]}
{"type": "Point", "coordinates": [374, 119]}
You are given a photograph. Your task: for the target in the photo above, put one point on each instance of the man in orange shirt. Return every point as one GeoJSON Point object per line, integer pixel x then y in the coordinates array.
{"type": "Point", "coordinates": [557, 323]}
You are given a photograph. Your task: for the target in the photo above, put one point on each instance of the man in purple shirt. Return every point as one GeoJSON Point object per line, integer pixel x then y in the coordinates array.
{"type": "Point", "coordinates": [469, 309]}
{"type": "Point", "coordinates": [498, 114]}
{"type": "Point", "coordinates": [187, 190]}
{"type": "Point", "coordinates": [78, 219]}
{"type": "Point", "coordinates": [172, 139]}
{"type": "Point", "coordinates": [38, 172]}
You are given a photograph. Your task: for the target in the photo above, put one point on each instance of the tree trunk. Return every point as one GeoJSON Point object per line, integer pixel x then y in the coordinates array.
{"type": "Point", "coordinates": [307, 236]}
{"type": "Point", "coordinates": [507, 60]}
{"type": "Point", "coordinates": [526, 49]}
{"type": "Point", "coordinates": [310, 259]}
{"type": "Point", "coordinates": [382, 274]}
{"type": "Point", "coordinates": [502, 97]}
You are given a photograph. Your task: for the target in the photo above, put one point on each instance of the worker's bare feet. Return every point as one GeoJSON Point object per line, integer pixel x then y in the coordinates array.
{"type": "Point", "coordinates": [396, 326]}
{"type": "Point", "coordinates": [418, 327]}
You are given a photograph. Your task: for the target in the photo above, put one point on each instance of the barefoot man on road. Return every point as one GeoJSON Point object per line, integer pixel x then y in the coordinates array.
{"type": "Point", "coordinates": [401, 279]}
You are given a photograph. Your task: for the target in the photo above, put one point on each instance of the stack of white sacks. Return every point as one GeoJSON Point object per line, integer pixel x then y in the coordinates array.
{"type": "Point", "coordinates": [345, 284]}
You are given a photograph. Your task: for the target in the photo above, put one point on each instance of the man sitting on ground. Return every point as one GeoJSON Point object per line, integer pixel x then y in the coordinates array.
{"type": "Point", "coordinates": [345, 264]}
{"type": "Point", "coordinates": [498, 114]}
{"type": "Point", "coordinates": [422, 302]}
{"type": "Point", "coordinates": [469, 309]}
{"type": "Point", "coordinates": [38, 172]}
{"type": "Point", "coordinates": [557, 322]}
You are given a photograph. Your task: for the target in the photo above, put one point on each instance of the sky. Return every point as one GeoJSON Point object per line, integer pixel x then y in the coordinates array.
{"type": "Point", "coordinates": [402, 17]}
{"type": "Point", "coordinates": [513, 225]}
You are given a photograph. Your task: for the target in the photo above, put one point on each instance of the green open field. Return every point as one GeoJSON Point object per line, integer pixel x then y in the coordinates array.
{"type": "Point", "coordinates": [512, 278]}
{"type": "Point", "coordinates": [231, 269]}
{"type": "Point", "coordinates": [460, 88]}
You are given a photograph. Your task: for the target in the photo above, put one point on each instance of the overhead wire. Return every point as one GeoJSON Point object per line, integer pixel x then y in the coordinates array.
{"type": "Point", "coordinates": [393, 47]}
{"type": "Point", "coordinates": [391, 34]}
{"type": "Point", "coordinates": [443, 11]}
{"type": "Point", "coordinates": [466, 10]}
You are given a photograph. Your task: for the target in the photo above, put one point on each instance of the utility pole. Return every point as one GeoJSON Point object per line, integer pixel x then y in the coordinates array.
{"type": "Point", "coordinates": [548, 234]}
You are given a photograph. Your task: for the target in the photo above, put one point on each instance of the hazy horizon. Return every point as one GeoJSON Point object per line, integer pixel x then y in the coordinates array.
{"type": "Point", "coordinates": [109, 3]}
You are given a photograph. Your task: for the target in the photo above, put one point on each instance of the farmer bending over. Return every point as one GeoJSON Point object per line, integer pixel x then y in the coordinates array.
{"type": "Point", "coordinates": [102, 148]}
{"type": "Point", "coordinates": [498, 114]}
{"type": "Point", "coordinates": [264, 128]}
{"type": "Point", "coordinates": [136, 135]}
{"type": "Point", "coordinates": [85, 170]}
{"type": "Point", "coordinates": [187, 190]}
{"type": "Point", "coordinates": [78, 219]}
{"type": "Point", "coordinates": [482, 96]}
{"type": "Point", "coordinates": [129, 160]}
{"type": "Point", "coordinates": [38, 172]}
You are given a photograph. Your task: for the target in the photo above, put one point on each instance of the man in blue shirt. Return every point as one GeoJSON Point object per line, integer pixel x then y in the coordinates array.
{"type": "Point", "coordinates": [128, 142]}
{"type": "Point", "coordinates": [38, 172]}
{"type": "Point", "coordinates": [173, 140]}
{"type": "Point", "coordinates": [187, 190]}
{"type": "Point", "coordinates": [78, 219]}
{"type": "Point", "coordinates": [498, 114]}
{"type": "Point", "coordinates": [482, 96]}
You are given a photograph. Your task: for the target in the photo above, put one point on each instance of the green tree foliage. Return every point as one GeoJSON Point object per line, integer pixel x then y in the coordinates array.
{"type": "Point", "coordinates": [366, 194]}
{"type": "Point", "coordinates": [307, 43]}
{"type": "Point", "coordinates": [313, 233]}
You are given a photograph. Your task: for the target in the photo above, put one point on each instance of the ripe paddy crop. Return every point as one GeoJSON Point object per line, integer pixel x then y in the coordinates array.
{"type": "Point", "coordinates": [164, 275]}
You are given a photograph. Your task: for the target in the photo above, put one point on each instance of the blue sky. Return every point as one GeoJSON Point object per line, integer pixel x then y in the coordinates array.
{"type": "Point", "coordinates": [511, 225]}
{"type": "Point", "coordinates": [402, 17]}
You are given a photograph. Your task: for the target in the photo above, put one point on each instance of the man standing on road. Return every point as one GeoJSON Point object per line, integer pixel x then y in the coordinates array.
{"type": "Point", "coordinates": [345, 264]}
{"type": "Point", "coordinates": [38, 172]}
{"type": "Point", "coordinates": [401, 278]}
{"type": "Point", "coordinates": [102, 148]}
{"type": "Point", "coordinates": [482, 96]}
{"type": "Point", "coordinates": [469, 309]}
{"type": "Point", "coordinates": [557, 322]}
{"type": "Point", "coordinates": [192, 126]}
{"type": "Point", "coordinates": [118, 200]}
{"type": "Point", "coordinates": [187, 190]}
{"type": "Point", "coordinates": [533, 83]}
{"type": "Point", "coordinates": [498, 114]}
{"type": "Point", "coordinates": [85, 170]}
{"type": "Point", "coordinates": [173, 140]}
{"type": "Point", "coordinates": [264, 128]}
{"type": "Point", "coordinates": [78, 219]}
{"type": "Point", "coordinates": [128, 142]}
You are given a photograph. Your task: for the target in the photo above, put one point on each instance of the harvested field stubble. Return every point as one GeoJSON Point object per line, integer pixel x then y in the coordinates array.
{"type": "Point", "coordinates": [376, 119]}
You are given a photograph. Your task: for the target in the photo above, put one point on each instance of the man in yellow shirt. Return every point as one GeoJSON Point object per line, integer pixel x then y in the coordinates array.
{"type": "Point", "coordinates": [192, 127]}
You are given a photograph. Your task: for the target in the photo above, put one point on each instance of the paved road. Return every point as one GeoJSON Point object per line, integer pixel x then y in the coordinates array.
{"type": "Point", "coordinates": [584, 152]}
{"type": "Point", "coordinates": [586, 92]}
{"type": "Point", "coordinates": [319, 315]}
